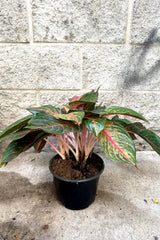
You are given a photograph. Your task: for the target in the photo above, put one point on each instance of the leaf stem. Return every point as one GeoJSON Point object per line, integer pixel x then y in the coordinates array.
{"type": "Point", "coordinates": [50, 143]}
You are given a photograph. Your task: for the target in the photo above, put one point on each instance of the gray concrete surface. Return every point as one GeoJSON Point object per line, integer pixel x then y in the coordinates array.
{"type": "Point", "coordinates": [123, 208]}
{"type": "Point", "coordinates": [79, 21]}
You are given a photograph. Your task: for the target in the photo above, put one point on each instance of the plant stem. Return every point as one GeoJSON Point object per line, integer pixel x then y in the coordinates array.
{"type": "Point", "coordinates": [48, 141]}
{"type": "Point", "coordinates": [77, 146]}
{"type": "Point", "coordinates": [69, 147]}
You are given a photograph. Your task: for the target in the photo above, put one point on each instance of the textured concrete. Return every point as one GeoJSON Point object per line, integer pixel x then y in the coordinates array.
{"type": "Point", "coordinates": [83, 45]}
{"type": "Point", "coordinates": [121, 67]}
{"type": "Point", "coordinates": [111, 98]}
{"type": "Point", "coordinates": [142, 68]}
{"type": "Point", "coordinates": [57, 98]}
{"type": "Point", "coordinates": [147, 104]}
{"type": "Point", "coordinates": [79, 21]}
{"type": "Point", "coordinates": [13, 105]}
{"type": "Point", "coordinates": [54, 49]}
{"type": "Point", "coordinates": [33, 67]}
{"type": "Point", "coordinates": [123, 208]}
{"type": "Point", "coordinates": [145, 26]}
{"type": "Point", "coordinates": [102, 66]}
{"type": "Point", "coordinates": [13, 21]}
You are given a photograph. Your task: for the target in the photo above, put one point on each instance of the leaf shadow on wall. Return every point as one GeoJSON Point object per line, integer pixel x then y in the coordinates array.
{"type": "Point", "coordinates": [140, 70]}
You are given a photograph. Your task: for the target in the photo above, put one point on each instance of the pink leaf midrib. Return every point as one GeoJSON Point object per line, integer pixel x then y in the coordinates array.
{"type": "Point", "coordinates": [72, 116]}
{"type": "Point", "coordinates": [94, 123]}
{"type": "Point", "coordinates": [115, 145]}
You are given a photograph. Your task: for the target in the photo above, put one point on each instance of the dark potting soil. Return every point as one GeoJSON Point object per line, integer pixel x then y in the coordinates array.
{"type": "Point", "coordinates": [70, 169]}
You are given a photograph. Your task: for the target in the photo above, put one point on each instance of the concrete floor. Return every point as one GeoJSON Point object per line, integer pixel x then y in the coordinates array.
{"type": "Point", "coordinates": [123, 208]}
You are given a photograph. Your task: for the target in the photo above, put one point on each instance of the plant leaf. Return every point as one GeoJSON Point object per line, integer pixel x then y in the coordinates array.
{"type": "Point", "coordinates": [95, 125]}
{"type": "Point", "coordinates": [46, 108]}
{"type": "Point", "coordinates": [86, 101]}
{"type": "Point", "coordinates": [87, 97]}
{"type": "Point", "coordinates": [117, 144]}
{"type": "Point", "coordinates": [81, 105]}
{"type": "Point", "coordinates": [17, 135]}
{"type": "Point", "coordinates": [77, 105]}
{"type": "Point", "coordinates": [123, 123]}
{"type": "Point", "coordinates": [15, 126]}
{"type": "Point", "coordinates": [75, 98]}
{"type": "Point", "coordinates": [118, 110]}
{"type": "Point", "coordinates": [38, 146]}
{"type": "Point", "coordinates": [90, 97]}
{"type": "Point", "coordinates": [18, 146]}
{"type": "Point", "coordinates": [72, 116]}
{"type": "Point", "coordinates": [50, 124]}
{"type": "Point", "coordinates": [149, 136]}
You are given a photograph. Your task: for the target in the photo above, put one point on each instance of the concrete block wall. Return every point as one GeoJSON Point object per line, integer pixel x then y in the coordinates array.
{"type": "Point", "coordinates": [52, 50]}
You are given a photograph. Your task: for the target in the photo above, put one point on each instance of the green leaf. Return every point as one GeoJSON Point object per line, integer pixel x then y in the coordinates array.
{"type": "Point", "coordinates": [90, 97]}
{"type": "Point", "coordinates": [77, 105]}
{"type": "Point", "coordinates": [95, 125]}
{"type": "Point", "coordinates": [149, 136]}
{"type": "Point", "coordinates": [118, 110]}
{"type": "Point", "coordinates": [15, 126]}
{"type": "Point", "coordinates": [123, 123]}
{"type": "Point", "coordinates": [81, 105]}
{"type": "Point", "coordinates": [46, 108]}
{"type": "Point", "coordinates": [50, 124]}
{"type": "Point", "coordinates": [86, 101]}
{"type": "Point", "coordinates": [38, 146]}
{"type": "Point", "coordinates": [117, 144]}
{"type": "Point", "coordinates": [16, 135]}
{"type": "Point", "coordinates": [72, 116]}
{"type": "Point", "coordinates": [18, 146]}
{"type": "Point", "coordinates": [87, 97]}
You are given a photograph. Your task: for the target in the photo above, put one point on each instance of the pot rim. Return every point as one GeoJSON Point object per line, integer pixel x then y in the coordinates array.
{"type": "Point", "coordinates": [76, 181]}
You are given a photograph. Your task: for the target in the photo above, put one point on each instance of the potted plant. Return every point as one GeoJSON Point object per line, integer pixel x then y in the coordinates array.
{"type": "Point", "coordinates": [77, 127]}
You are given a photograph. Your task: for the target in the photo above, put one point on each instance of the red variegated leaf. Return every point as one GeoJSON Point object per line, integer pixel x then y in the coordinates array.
{"type": "Point", "coordinates": [86, 101]}
{"type": "Point", "coordinates": [50, 124]}
{"type": "Point", "coordinates": [72, 116]}
{"type": "Point", "coordinates": [18, 146]}
{"type": "Point", "coordinates": [81, 105]}
{"type": "Point", "coordinates": [15, 126]}
{"type": "Point", "coordinates": [87, 97]}
{"type": "Point", "coordinates": [95, 125]}
{"type": "Point", "coordinates": [123, 123]}
{"type": "Point", "coordinates": [46, 108]}
{"type": "Point", "coordinates": [90, 97]}
{"type": "Point", "coordinates": [39, 146]}
{"type": "Point", "coordinates": [117, 144]}
{"type": "Point", "coordinates": [149, 136]}
{"type": "Point", "coordinates": [77, 105]}
{"type": "Point", "coordinates": [74, 99]}
{"type": "Point", "coordinates": [118, 110]}
{"type": "Point", "coordinates": [17, 135]}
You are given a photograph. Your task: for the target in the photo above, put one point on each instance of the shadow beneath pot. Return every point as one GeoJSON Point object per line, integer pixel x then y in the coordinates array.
{"type": "Point", "coordinates": [14, 186]}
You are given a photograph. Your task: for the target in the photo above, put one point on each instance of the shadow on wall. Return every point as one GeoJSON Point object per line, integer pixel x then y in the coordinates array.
{"type": "Point", "coordinates": [138, 70]}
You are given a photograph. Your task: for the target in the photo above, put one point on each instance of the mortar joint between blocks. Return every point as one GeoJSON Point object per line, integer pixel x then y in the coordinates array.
{"type": "Point", "coordinates": [30, 27]}
{"type": "Point", "coordinates": [129, 21]}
